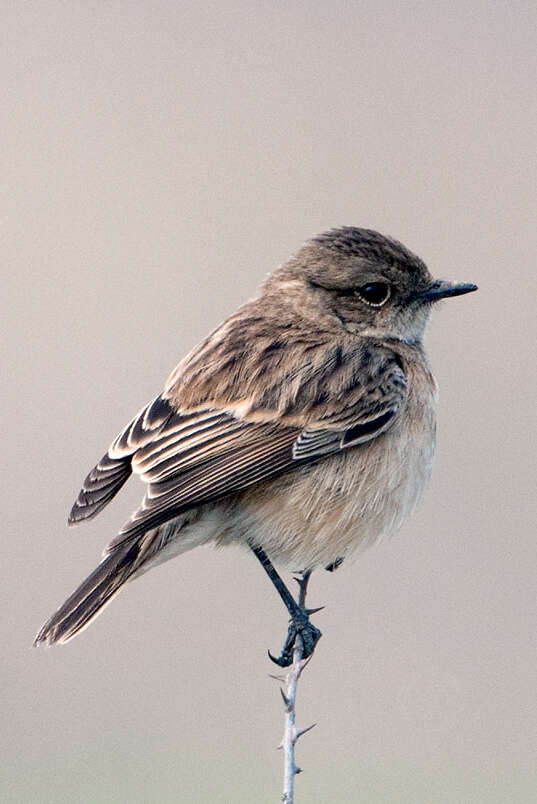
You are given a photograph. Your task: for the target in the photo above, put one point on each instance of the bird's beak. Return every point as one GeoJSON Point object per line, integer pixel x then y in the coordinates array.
{"type": "Point", "coordinates": [441, 289]}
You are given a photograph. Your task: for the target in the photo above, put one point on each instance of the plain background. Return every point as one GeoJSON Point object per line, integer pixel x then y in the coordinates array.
{"type": "Point", "coordinates": [158, 159]}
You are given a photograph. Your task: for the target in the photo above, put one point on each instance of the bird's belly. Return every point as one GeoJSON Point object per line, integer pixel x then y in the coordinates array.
{"type": "Point", "coordinates": [328, 510]}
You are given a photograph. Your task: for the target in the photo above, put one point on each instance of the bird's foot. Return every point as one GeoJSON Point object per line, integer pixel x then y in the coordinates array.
{"type": "Point", "coordinates": [335, 564]}
{"type": "Point", "coordinates": [299, 625]}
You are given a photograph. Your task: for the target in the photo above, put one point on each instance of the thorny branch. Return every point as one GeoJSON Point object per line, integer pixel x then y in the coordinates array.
{"type": "Point", "coordinates": [291, 732]}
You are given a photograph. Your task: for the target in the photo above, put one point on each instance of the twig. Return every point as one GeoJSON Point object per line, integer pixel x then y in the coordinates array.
{"type": "Point", "coordinates": [291, 732]}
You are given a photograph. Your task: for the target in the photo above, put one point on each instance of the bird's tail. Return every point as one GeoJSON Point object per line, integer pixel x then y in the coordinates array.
{"type": "Point", "coordinates": [94, 593]}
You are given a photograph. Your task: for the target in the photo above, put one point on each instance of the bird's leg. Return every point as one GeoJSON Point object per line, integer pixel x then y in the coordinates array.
{"type": "Point", "coordinates": [300, 622]}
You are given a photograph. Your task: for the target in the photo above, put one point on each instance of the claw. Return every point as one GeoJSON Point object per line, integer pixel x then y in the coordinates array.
{"type": "Point", "coordinates": [309, 634]}
{"type": "Point", "coordinates": [283, 660]}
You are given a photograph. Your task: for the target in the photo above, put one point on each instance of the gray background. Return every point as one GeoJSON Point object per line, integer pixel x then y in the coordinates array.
{"type": "Point", "coordinates": [158, 159]}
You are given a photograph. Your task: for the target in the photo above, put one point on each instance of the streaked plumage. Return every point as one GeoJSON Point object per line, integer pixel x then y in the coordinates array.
{"type": "Point", "coordinates": [304, 424]}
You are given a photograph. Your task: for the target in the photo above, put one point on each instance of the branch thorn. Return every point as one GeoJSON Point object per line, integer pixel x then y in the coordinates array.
{"type": "Point", "coordinates": [285, 699]}
{"type": "Point", "coordinates": [300, 732]}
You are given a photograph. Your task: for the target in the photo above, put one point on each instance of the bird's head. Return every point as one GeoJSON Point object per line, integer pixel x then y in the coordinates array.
{"type": "Point", "coordinates": [371, 284]}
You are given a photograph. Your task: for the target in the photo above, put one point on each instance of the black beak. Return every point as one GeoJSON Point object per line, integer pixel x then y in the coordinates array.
{"type": "Point", "coordinates": [443, 290]}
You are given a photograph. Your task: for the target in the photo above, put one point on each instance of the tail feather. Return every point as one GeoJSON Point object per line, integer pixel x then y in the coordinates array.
{"type": "Point", "coordinates": [92, 595]}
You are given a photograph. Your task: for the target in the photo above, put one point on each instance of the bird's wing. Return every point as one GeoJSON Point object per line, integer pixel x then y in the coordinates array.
{"type": "Point", "coordinates": [115, 467]}
{"type": "Point", "coordinates": [192, 457]}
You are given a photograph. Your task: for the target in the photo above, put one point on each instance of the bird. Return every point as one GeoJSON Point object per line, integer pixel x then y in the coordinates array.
{"type": "Point", "coordinates": [301, 428]}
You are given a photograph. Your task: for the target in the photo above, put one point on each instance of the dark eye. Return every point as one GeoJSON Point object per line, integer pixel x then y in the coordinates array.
{"type": "Point", "coordinates": [374, 293]}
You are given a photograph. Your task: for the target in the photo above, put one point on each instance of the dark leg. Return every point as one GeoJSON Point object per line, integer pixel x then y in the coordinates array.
{"type": "Point", "coordinates": [300, 623]}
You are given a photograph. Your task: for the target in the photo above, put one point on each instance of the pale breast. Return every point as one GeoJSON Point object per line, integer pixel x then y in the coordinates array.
{"type": "Point", "coordinates": [320, 512]}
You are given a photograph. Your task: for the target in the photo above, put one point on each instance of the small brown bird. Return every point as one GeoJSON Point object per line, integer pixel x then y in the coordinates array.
{"type": "Point", "coordinates": [302, 427]}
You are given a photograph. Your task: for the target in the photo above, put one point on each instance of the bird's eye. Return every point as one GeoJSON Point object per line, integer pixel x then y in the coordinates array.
{"type": "Point", "coordinates": [374, 293]}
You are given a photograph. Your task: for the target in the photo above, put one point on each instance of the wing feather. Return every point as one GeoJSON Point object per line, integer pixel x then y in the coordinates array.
{"type": "Point", "coordinates": [191, 457]}
{"type": "Point", "coordinates": [113, 470]}
{"type": "Point", "coordinates": [257, 451]}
